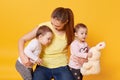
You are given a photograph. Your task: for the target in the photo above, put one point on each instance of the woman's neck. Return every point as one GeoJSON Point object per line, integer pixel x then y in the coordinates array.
{"type": "Point", "coordinates": [60, 32]}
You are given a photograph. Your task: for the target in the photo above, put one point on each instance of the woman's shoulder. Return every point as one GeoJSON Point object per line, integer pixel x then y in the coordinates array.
{"type": "Point", "coordinates": [47, 23]}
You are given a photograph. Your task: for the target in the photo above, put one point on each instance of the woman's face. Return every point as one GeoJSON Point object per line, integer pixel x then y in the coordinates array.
{"type": "Point", "coordinates": [57, 25]}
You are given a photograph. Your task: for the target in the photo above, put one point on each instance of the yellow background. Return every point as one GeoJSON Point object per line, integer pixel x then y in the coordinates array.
{"type": "Point", "coordinates": [17, 17]}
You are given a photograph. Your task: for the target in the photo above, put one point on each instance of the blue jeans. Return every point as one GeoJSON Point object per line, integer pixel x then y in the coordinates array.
{"type": "Point", "coordinates": [60, 73]}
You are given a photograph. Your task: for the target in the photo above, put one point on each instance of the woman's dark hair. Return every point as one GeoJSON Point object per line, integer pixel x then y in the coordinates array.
{"type": "Point", "coordinates": [64, 15]}
{"type": "Point", "coordinates": [42, 30]}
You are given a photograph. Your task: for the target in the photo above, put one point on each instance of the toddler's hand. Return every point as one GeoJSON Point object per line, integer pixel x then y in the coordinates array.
{"type": "Point", "coordinates": [39, 61]}
{"type": "Point", "coordinates": [89, 55]}
{"type": "Point", "coordinates": [79, 60]}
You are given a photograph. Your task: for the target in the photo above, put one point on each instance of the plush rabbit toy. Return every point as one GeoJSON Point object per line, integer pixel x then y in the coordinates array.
{"type": "Point", "coordinates": [93, 64]}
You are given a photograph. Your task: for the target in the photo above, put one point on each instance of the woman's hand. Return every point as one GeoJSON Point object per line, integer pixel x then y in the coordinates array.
{"type": "Point", "coordinates": [25, 60]}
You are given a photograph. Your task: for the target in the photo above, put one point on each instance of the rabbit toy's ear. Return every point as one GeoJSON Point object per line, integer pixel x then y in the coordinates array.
{"type": "Point", "coordinates": [100, 45]}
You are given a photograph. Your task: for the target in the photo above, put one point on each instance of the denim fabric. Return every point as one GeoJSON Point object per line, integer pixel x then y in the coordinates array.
{"type": "Point", "coordinates": [60, 73]}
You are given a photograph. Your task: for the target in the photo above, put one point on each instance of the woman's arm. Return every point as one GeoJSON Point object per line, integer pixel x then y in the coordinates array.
{"type": "Point", "coordinates": [21, 44]}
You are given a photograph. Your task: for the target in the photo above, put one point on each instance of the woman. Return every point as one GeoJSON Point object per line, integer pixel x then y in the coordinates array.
{"type": "Point", "coordinates": [54, 56]}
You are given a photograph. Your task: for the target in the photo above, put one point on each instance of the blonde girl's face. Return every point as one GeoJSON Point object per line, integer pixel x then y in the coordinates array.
{"type": "Point", "coordinates": [81, 34]}
{"type": "Point", "coordinates": [46, 39]}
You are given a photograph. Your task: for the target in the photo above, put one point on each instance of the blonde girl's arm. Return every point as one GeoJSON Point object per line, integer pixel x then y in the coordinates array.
{"type": "Point", "coordinates": [21, 43]}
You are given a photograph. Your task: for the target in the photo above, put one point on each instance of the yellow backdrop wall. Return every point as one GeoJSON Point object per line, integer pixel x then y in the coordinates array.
{"type": "Point", "coordinates": [17, 17]}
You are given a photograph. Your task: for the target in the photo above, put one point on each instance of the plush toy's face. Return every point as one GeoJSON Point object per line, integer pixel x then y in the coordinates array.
{"type": "Point", "coordinates": [96, 51]}
{"type": "Point", "coordinates": [100, 45]}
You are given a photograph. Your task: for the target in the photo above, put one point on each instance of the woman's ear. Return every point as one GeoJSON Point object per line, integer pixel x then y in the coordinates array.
{"type": "Point", "coordinates": [66, 22]}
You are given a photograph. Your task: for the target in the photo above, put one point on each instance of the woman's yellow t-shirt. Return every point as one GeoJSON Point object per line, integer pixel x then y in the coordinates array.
{"type": "Point", "coordinates": [54, 55]}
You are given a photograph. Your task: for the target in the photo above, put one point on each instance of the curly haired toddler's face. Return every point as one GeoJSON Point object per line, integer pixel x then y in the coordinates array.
{"type": "Point", "coordinates": [46, 39]}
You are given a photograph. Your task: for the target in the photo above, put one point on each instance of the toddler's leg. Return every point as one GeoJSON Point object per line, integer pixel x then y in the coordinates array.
{"type": "Point", "coordinates": [26, 73]}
